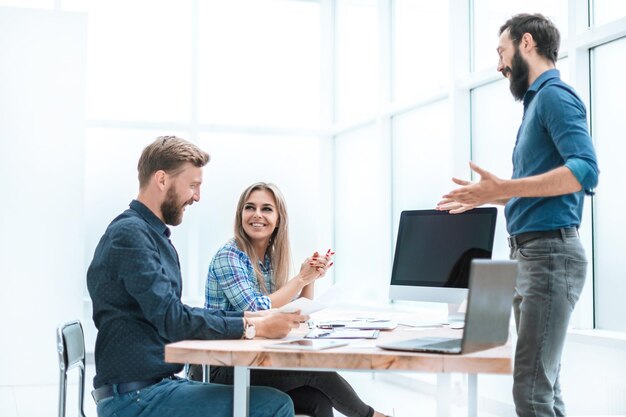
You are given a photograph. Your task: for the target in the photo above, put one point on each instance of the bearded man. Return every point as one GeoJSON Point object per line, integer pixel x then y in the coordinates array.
{"type": "Point", "coordinates": [554, 166]}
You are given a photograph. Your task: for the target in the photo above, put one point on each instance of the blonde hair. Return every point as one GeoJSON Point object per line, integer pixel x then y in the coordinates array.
{"type": "Point", "coordinates": [278, 250]}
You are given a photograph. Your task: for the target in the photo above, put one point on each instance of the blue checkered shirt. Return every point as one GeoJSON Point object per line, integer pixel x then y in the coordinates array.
{"type": "Point", "coordinates": [232, 284]}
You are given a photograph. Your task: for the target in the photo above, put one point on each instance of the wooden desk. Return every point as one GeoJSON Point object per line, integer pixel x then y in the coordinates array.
{"type": "Point", "coordinates": [359, 355]}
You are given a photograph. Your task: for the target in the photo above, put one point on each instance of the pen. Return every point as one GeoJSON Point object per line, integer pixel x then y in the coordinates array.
{"type": "Point", "coordinates": [329, 326]}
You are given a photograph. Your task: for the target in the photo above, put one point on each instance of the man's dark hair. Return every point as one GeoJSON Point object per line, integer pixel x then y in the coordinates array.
{"type": "Point", "coordinates": [168, 153]}
{"type": "Point", "coordinates": [543, 31]}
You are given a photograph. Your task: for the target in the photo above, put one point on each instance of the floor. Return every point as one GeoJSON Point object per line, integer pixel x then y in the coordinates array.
{"type": "Point", "coordinates": [396, 399]}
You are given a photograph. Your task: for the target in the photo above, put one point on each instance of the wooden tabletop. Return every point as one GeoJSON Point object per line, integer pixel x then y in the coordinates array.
{"type": "Point", "coordinates": [359, 354]}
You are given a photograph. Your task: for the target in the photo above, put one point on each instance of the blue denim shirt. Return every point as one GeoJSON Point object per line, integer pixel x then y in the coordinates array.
{"type": "Point", "coordinates": [553, 133]}
{"type": "Point", "coordinates": [135, 284]}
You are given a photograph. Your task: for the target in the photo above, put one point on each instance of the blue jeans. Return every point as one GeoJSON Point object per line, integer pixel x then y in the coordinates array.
{"type": "Point", "coordinates": [551, 276]}
{"type": "Point", "coordinates": [184, 398]}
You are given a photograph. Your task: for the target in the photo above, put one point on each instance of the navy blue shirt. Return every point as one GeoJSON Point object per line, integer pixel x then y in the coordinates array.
{"type": "Point", "coordinates": [135, 284]}
{"type": "Point", "coordinates": [553, 133]}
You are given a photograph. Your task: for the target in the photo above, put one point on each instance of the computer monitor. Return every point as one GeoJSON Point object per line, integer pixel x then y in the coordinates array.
{"type": "Point", "coordinates": [434, 251]}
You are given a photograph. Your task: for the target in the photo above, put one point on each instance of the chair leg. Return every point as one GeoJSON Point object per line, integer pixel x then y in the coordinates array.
{"type": "Point", "coordinates": [206, 375]}
{"type": "Point", "coordinates": [81, 392]}
{"type": "Point", "coordinates": [62, 392]}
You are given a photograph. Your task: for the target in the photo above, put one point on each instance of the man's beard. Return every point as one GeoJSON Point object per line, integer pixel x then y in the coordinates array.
{"type": "Point", "coordinates": [518, 76]}
{"type": "Point", "coordinates": [171, 210]}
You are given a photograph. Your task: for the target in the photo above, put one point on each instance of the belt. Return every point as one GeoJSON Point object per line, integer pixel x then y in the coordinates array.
{"type": "Point", "coordinates": [107, 391]}
{"type": "Point", "coordinates": [523, 238]}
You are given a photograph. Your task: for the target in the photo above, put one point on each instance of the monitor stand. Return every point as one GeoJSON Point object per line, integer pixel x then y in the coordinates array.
{"type": "Point", "coordinates": [456, 315]}
{"type": "Point", "coordinates": [455, 318]}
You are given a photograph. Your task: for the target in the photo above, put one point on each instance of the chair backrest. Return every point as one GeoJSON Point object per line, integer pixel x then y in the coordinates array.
{"type": "Point", "coordinates": [71, 350]}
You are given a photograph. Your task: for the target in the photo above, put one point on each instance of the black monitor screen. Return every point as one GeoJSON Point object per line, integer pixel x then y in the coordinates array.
{"type": "Point", "coordinates": [435, 248]}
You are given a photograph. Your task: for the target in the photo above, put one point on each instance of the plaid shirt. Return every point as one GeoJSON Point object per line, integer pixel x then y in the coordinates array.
{"type": "Point", "coordinates": [232, 284]}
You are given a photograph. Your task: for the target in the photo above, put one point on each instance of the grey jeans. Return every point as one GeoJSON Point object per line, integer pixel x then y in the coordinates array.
{"type": "Point", "coordinates": [551, 276]}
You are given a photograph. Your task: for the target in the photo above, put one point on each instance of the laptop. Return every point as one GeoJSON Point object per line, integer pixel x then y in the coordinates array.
{"type": "Point", "coordinates": [491, 287]}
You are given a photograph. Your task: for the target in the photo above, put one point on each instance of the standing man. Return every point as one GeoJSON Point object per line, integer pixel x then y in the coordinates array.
{"type": "Point", "coordinates": [554, 166]}
{"type": "Point", "coordinates": [135, 284]}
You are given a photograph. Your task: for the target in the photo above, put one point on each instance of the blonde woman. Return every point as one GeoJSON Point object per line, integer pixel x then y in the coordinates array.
{"type": "Point", "coordinates": [251, 273]}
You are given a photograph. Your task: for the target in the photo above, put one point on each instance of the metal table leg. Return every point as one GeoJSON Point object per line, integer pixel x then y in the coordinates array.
{"type": "Point", "coordinates": [444, 381]}
{"type": "Point", "coordinates": [241, 391]}
{"type": "Point", "coordinates": [472, 395]}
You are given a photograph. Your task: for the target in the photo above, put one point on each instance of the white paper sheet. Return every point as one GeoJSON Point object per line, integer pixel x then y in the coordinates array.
{"type": "Point", "coordinates": [306, 306]}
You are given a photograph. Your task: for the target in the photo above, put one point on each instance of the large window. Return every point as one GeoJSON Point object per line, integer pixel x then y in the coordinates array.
{"type": "Point", "coordinates": [608, 127]}
{"type": "Point", "coordinates": [249, 80]}
{"type": "Point", "coordinates": [224, 75]}
{"type": "Point", "coordinates": [259, 63]}
{"type": "Point", "coordinates": [139, 75]}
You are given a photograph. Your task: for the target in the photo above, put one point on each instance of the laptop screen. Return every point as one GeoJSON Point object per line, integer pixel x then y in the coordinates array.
{"type": "Point", "coordinates": [435, 248]}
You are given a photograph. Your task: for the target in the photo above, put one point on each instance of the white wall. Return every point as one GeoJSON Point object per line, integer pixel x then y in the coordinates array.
{"type": "Point", "coordinates": [42, 79]}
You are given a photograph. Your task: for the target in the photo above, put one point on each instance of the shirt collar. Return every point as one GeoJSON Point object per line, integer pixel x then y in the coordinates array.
{"type": "Point", "coordinates": [540, 81]}
{"type": "Point", "coordinates": [150, 217]}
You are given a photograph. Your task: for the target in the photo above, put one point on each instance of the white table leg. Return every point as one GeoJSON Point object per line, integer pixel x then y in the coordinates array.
{"type": "Point", "coordinates": [241, 391]}
{"type": "Point", "coordinates": [443, 394]}
{"type": "Point", "coordinates": [472, 395]}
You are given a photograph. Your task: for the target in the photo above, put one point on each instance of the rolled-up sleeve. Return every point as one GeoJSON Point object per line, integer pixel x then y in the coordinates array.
{"type": "Point", "coordinates": [565, 117]}
{"type": "Point", "coordinates": [585, 173]}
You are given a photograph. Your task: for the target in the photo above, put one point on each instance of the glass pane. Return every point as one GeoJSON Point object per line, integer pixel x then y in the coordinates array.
{"type": "Point", "coordinates": [357, 59]}
{"type": "Point", "coordinates": [421, 166]}
{"type": "Point", "coordinates": [35, 4]}
{"type": "Point", "coordinates": [297, 165]}
{"type": "Point", "coordinates": [496, 116]}
{"type": "Point", "coordinates": [259, 63]}
{"type": "Point", "coordinates": [582, 317]}
{"type": "Point", "coordinates": [361, 209]}
{"type": "Point", "coordinates": [608, 126]}
{"type": "Point", "coordinates": [489, 15]}
{"type": "Point", "coordinates": [563, 66]}
{"type": "Point", "coordinates": [608, 10]}
{"type": "Point", "coordinates": [413, 22]}
{"type": "Point", "coordinates": [139, 60]}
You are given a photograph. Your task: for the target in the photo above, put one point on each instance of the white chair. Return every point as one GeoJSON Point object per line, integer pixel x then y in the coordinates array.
{"type": "Point", "coordinates": [71, 350]}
